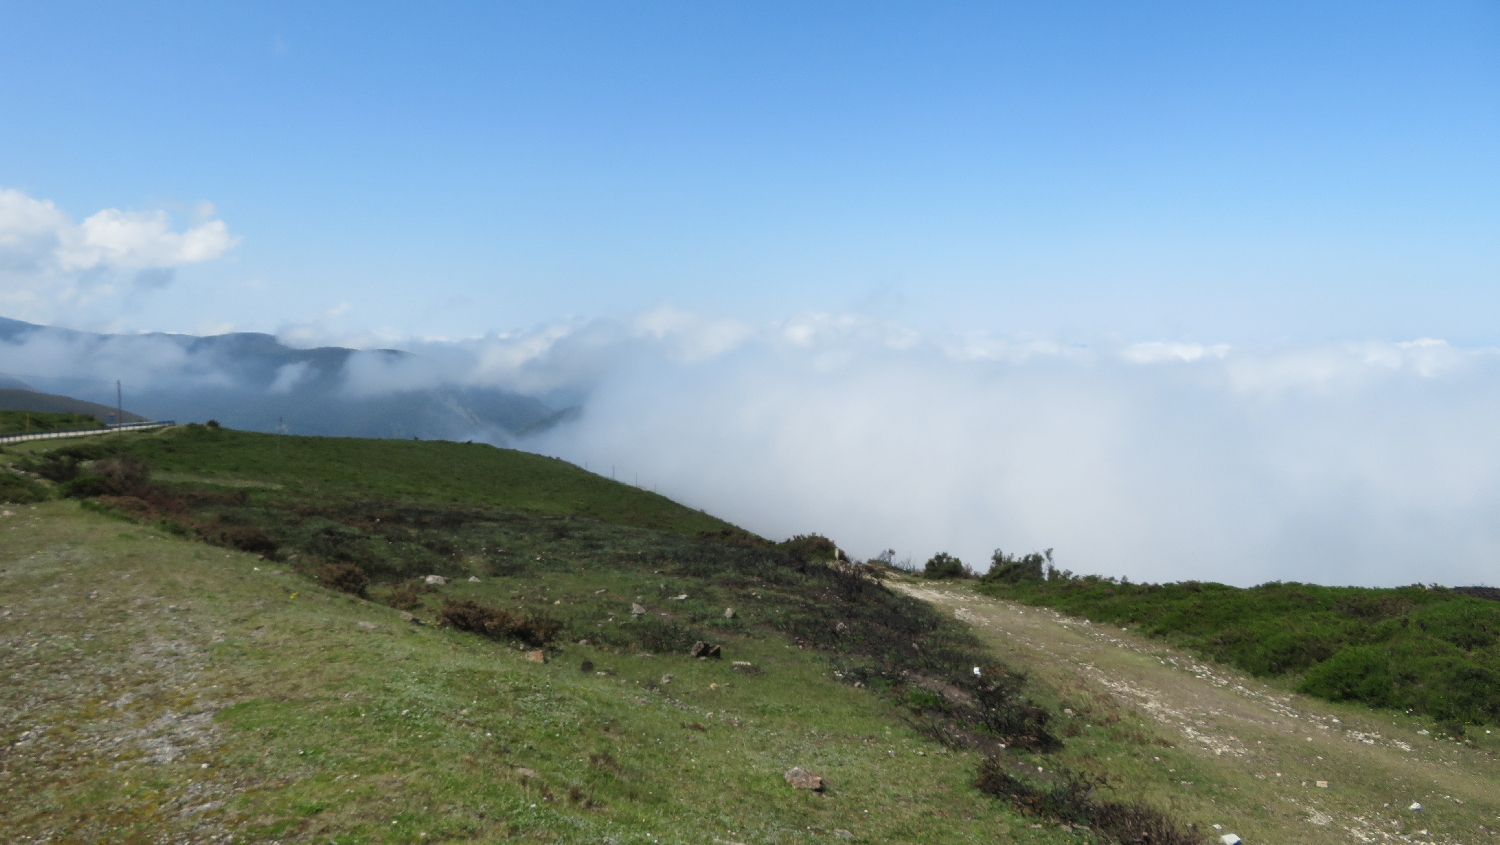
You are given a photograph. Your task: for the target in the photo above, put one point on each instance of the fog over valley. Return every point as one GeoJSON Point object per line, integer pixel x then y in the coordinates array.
{"type": "Point", "coordinates": [1360, 463]}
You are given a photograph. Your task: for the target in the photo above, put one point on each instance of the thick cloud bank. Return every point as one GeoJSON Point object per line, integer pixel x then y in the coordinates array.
{"type": "Point", "coordinates": [1366, 463]}
{"type": "Point", "coordinates": [1369, 463]}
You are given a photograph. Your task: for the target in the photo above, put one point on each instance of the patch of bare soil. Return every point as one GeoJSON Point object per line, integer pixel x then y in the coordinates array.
{"type": "Point", "coordinates": [1246, 757]}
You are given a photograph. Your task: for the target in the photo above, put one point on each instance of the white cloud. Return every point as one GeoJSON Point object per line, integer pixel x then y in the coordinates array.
{"type": "Point", "coordinates": [1366, 462]}
{"type": "Point", "coordinates": [50, 265]}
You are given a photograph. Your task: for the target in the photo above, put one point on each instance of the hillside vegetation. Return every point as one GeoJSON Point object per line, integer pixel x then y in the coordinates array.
{"type": "Point", "coordinates": [334, 468]}
{"type": "Point", "coordinates": [1427, 650]}
{"type": "Point", "coordinates": [272, 650]}
{"type": "Point", "coordinates": [20, 422]}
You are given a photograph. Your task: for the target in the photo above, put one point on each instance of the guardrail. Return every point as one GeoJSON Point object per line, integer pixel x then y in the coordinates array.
{"type": "Point", "coordinates": [82, 432]}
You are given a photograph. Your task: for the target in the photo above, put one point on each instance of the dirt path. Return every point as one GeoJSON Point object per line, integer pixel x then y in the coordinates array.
{"type": "Point", "coordinates": [1271, 766]}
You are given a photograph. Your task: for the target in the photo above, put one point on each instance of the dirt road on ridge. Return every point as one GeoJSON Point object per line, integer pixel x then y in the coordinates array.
{"type": "Point", "coordinates": [1243, 755]}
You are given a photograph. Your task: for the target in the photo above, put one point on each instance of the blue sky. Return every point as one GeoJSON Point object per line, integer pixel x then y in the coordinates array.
{"type": "Point", "coordinates": [1271, 173]}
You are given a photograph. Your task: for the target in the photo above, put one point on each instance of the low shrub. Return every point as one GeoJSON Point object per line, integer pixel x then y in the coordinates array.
{"type": "Point", "coordinates": [344, 577]}
{"type": "Point", "coordinates": [20, 490]}
{"type": "Point", "coordinates": [1070, 798]}
{"type": "Point", "coordinates": [405, 596]}
{"type": "Point", "coordinates": [246, 538]}
{"type": "Point", "coordinates": [497, 623]}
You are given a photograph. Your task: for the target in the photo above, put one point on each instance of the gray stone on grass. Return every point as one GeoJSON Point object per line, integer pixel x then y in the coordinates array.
{"type": "Point", "coordinates": [803, 779]}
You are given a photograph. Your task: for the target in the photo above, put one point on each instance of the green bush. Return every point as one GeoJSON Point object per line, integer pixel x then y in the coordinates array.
{"type": "Point", "coordinates": [1009, 569]}
{"type": "Point", "coordinates": [20, 490]}
{"type": "Point", "coordinates": [943, 565]}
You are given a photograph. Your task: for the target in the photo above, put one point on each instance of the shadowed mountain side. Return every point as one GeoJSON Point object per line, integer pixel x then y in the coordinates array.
{"type": "Point", "coordinates": [50, 403]}
{"type": "Point", "coordinates": [253, 381]}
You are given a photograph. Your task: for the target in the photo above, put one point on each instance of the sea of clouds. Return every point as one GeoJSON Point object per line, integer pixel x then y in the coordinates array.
{"type": "Point", "coordinates": [1366, 462]}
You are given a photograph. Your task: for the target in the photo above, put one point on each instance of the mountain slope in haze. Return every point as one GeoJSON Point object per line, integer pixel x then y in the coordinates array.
{"type": "Point", "coordinates": [12, 399]}
{"type": "Point", "coordinates": [253, 381]}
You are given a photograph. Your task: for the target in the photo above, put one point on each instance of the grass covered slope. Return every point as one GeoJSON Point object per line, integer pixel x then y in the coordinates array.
{"type": "Point", "coordinates": [1433, 651]}
{"type": "Point", "coordinates": [331, 468]}
{"type": "Point", "coordinates": [172, 690]}
{"type": "Point", "coordinates": [21, 422]}
{"type": "Point", "coordinates": [274, 651]}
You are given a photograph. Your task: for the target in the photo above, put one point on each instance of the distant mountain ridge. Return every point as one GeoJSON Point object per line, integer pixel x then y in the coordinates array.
{"type": "Point", "coordinates": [250, 389]}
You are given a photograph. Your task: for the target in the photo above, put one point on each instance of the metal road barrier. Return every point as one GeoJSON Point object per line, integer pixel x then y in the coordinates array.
{"type": "Point", "coordinates": [83, 432]}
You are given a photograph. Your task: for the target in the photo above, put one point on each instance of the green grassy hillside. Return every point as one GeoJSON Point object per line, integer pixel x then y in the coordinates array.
{"type": "Point", "coordinates": [214, 646]}
{"type": "Point", "coordinates": [1428, 650]}
{"type": "Point", "coordinates": [20, 422]}
{"type": "Point", "coordinates": [331, 468]}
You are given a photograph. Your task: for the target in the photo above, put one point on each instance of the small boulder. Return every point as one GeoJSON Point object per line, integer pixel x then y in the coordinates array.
{"type": "Point", "coordinates": [1230, 839]}
{"type": "Point", "coordinates": [537, 656]}
{"type": "Point", "coordinates": [637, 609]}
{"type": "Point", "coordinates": [728, 613]}
{"type": "Point", "coordinates": [803, 779]}
{"type": "Point", "coordinates": [435, 581]}
{"type": "Point", "coordinates": [840, 833]}
{"type": "Point", "coordinates": [699, 649]}
{"type": "Point", "coordinates": [525, 773]}
{"type": "Point", "coordinates": [667, 679]}
{"type": "Point", "coordinates": [682, 597]}
{"type": "Point", "coordinates": [1415, 807]}
{"type": "Point", "coordinates": [368, 626]}
{"type": "Point", "coordinates": [473, 579]}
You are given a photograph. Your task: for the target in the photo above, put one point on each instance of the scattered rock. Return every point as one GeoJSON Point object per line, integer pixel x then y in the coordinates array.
{"type": "Point", "coordinates": [715, 652]}
{"type": "Point", "coordinates": [667, 679]}
{"type": "Point", "coordinates": [637, 610]}
{"type": "Point", "coordinates": [1415, 807]}
{"type": "Point", "coordinates": [840, 833]}
{"type": "Point", "coordinates": [803, 779]}
{"type": "Point", "coordinates": [435, 581]}
{"type": "Point", "coordinates": [409, 617]}
{"type": "Point", "coordinates": [368, 626]}
{"type": "Point", "coordinates": [682, 597]}
{"type": "Point", "coordinates": [1322, 784]}
{"type": "Point", "coordinates": [699, 649]}
{"type": "Point", "coordinates": [526, 773]}
{"type": "Point", "coordinates": [841, 627]}
{"type": "Point", "coordinates": [473, 579]}
{"type": "Point", "coordinates": [728, 613]}
{"type": "Point", "coordinates": [93, 594]}
{"type": "Point", "coordinates": [537, 656]}
{"type": "Point", "coordinates": [1230, 839]}
{"type": "Point", "coordinates": [583, 642]}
